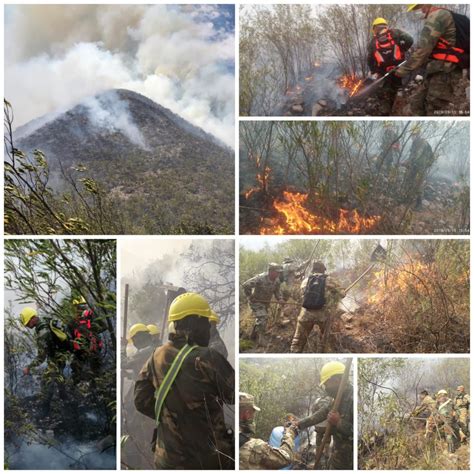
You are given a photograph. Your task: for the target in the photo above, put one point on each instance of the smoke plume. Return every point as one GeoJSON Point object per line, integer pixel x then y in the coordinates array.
{"type": "Point", "coordinates": [181, 57]}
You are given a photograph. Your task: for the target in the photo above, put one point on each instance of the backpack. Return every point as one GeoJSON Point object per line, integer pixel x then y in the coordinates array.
{"type": "Point", "coordinates": [463, 31]}
{"type": "Point", "coordinates": [314, 293]}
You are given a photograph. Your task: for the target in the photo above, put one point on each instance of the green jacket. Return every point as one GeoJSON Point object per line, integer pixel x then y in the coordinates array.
{"type": "Point", "coordinates": [48, 345]}
{"type": "Point", "coordinates": [439, 23]}
{"type": "Point", "coordinates": [192, 433]}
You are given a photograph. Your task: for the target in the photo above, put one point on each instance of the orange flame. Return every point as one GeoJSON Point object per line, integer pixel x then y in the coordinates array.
{"type": "Point", "coordinates": [316, 64]}
{"type": "Point", "coordinates": [262, 180]}
{"type": "Point", "coordinates": [401, 279]}
{"type": "Point", "coordinates": [308, 78]}
{"type": "Point", "coordinates": [295, 218]}
{"type": "Point", "coordinates": [351, 83]}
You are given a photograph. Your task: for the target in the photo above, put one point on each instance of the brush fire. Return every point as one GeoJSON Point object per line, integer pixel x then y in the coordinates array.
{"type": "Point", "coordinates": [294, 217]}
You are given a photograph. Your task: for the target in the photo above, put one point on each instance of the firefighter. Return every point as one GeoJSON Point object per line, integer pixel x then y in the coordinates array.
{"type": "Point", "coordinates": [386, 51]}
{"type": "Point", "coordinates": [443, 50]}
{"type": "Point", "coordinates": [52, 348]}
{"type": "Point", "coordinates": [85, 329]}
{"type": "Point", "coordinates": [183, 387]}
{"type": "Point", "coordinates": [155, 334]}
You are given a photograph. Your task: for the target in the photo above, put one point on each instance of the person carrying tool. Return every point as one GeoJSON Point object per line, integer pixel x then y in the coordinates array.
{"type": "Point", "coordinates": [321, 296]}
{"type": "Point", "coordinates": [52, 346]}
{"type": "Point", "coordinates": [341, 421]}
{"type": "Point", "coordinates": [385, 52]}
{"type": "Point", "coordinates": [259, 291]}
{"type": "Point", "coordinates": [426, 409]}
{"type": "Point", "coordinates": [254, 453]}
{"type": "Point", "coordinates": [183, 387]}
{"type": "Point", "coordinates": [444, 50]}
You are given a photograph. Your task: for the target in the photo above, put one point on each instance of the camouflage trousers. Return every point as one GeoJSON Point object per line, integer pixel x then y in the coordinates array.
{"type": "Point", "coordinates": [387, 94]}
{"type": "Point", "coordinates": [435, 95]}
{"type": "Point", "coordinates": [463, 419]}
{"type": "Point", "coordinates": [260, 312]}
{"type": "Point", "coordinates": [307, 319]}
{"type": "Point", "coordinates": [342, 456]}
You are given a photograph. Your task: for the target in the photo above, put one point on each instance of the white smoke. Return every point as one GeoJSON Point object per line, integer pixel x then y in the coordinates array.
{"type": "Point", "coordinates": [55, 55]}
{"type": "Point", "coordinates": [111, 114]}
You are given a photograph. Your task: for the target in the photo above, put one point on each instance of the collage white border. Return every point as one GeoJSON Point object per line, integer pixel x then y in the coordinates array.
{"type": "Point", "coordinates": [236, 235]}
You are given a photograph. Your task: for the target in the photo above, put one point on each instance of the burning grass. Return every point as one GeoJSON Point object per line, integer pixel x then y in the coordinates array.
{"type": "Point", "coordinates": [295, 217]}
{"type": "Point", "coordinates": [421, 308]}
{"type": "Point", "coordinates": [350, 83]}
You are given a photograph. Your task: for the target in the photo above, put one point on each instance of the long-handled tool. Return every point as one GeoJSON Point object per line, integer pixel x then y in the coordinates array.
{"type": "Point", "coordinates": [335, 407]}
{"type": "Point", "coordinates": [379, 254]}
{"type": "Point", "coordinates": [376, 82]}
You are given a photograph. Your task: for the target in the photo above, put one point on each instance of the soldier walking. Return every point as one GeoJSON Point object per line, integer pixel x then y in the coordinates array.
{"type": "Point", "coordinates": [321, 295]}
{"type": "Point", "coordinates": [259, 290]}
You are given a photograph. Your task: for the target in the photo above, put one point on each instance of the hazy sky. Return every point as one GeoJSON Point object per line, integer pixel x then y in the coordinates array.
{"type": "Point", "coordinates": [182, 57]}
{"type": "Point", "coordinates": [135, 255]}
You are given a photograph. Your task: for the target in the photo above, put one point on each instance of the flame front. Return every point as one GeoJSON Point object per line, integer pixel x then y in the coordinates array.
{"type": "Point", "coordinates": [407, 277]}
{"type": "Point", "coordinates": [351, 83]}
{"type": "Point", "coordinates": [295, 218]}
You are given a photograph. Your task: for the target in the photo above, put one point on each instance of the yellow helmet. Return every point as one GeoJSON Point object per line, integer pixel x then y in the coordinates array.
{"type": "Point", "coordinates": [189, 304]}
{"type": "Point", "coordinates": [214, 318]}
{"type": "Point", "coordinates": [27, 314]}
{"type": "Point", "coordinates": [412, 6]}
{"type": "Point", "coordinates": [441, 392]}
{"type": "Point", "coordinates": [78, 301]}
{"type": "Point", "coordinates": [153, 329]}
{"type": "Point", "coordinates": [329, 370]}
{"type": "Point", "coordinates": [136, 328]}
{"type": "Point", "coordinates": [379, 21]}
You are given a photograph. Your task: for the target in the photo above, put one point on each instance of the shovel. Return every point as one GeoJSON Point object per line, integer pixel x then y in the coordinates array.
{"type": "Point", "coordinates": [376, 82]}
{"type": "Point", "coordinates": [378, 255]}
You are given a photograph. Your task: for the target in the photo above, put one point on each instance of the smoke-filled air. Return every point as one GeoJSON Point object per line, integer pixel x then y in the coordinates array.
{"type": "Point", "coordinates": [154, 275]}
{"type": "Point", "coordinates": [414, 413]}
{"type": "Point", "coordinates": [354, 60]}
{"type": "Point", "coordinates": [119, 119]}
{"type": "Point", "coordinates": [56, 55]}
{"type": "Point", "coordinates": [354, 178]}
{"type": "Point", "coordinates": [60, 354]}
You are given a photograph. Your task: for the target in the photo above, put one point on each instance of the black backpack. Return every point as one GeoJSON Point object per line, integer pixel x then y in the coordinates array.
{"type": "Point", "coordinates": [315, 293]}
{"type": "Point", "coordinates": [463, 31]}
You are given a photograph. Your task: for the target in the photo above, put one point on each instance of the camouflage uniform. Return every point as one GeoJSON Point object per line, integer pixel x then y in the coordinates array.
{"type": "Point", "coordinates": [418, 166]}
{"type": "Point", "coordinates": [191, 433]}
{"type": "Point", "coordinates": [427, 408]}
{"type": "Point", "coordinates": [54, 352]}
{"type": "Point", "coordinates": [387, 93]}
{"type": "Point", "coordinates": [447, 422]}
{"type": "Point", "coordinates": [461, 404]}
{"type": "Point", "coordinates": [389, 151]}
{"type": "Point", "coordinates": [259, 290]}
{"type": "Point", "coordinates": [341, 457]}
{"type": "Point", "coordinates": [310, 317]}
{"type": "Point", "coordinates": [255, 453]}
{"type": "Point", "coordinates": [443, 78]}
